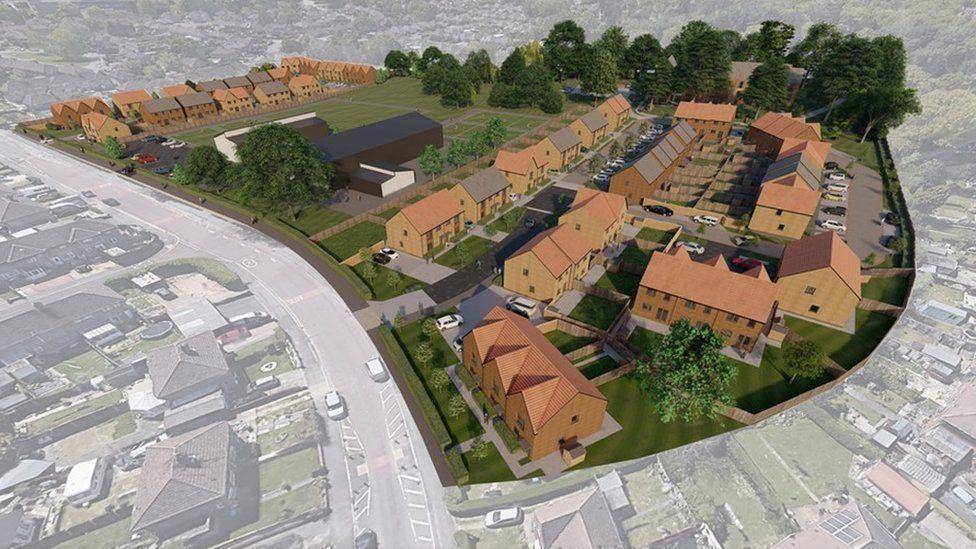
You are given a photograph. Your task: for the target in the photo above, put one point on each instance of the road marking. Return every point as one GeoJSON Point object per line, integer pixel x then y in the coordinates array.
{"type": "Point", "coordinates": [362, 469]}
{"type": "Point", "coordinates": [397, 454]}
{"type": "Point", "coordinates": [416, 506]}
{"type": "Point", "coordinates": [361, 498]}
{"type": "Point", "coordinates": [360, 513]}
{"type": "Point", "coordinates": [420, 522]}
{"type": "Point", "coordinates": [415, 479]}
{"type": "Point", "coordinates": [414, 492]}
{"type": "Point", "coordinates": [424, 538]}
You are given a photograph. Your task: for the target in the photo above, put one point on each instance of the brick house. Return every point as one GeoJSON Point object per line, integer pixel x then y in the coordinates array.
{"type": "Point", "coordinates": [590, 128]}
{"type": "Point", "coordinates": [258, 77]}
{"type": "Point", "coordinates": [271, 93]}
{"type": "Point", "coordinates": [299, 64]}
{"type": "Point", "coordinates": [350, 73]}
{"type": "Point", "coordinates": [210, 86]}
{"type": "Point", "coordinates": [177, 90]}
{"type": "Point", "coordinates": [68, 113]}
{"type": "Point", "coordinates": [789, 193]}
{"type": "Point", "coordinates": [426, 225]}
{"type": "Point", "coordinates": [560, 148]}
{"type": "Point", "coordinates": [97, 127]}
{"type": "Point", "coordinates": [769, 130]}
{"type": "Point", "coordinates": [233, 100]}
{"type": "Point", "coordinates": [238, 82]}
{"type": "Point", "coordinates": [127, 102]}
{"type": "Point", "coordinates": [538, 392]}
{"type": "Point", "coordinates": [597, 217]}
{"type": "Point", "coordinates": [525, 169]}
{"type": "Point", "coordinates": [820, 279]}
{"type": "Point", "coordinates": [650, 172]}
{"type": "Point", "coordinates": [548, 264]}
{"type": "Point", "coordinates": [616, 110]}
{"type": "Point", "coordinates": [483, 194]}
{"type": "Point", "coordinates": [197, 106]}
{"type": "Point", "coordinates": [713, 121]}
{"type": "Point", "coordinates": [280, 74]}
{"type": "Point", "coordinates": [304, 85]}
{"type": "Point", "coordinates": [162, 112]}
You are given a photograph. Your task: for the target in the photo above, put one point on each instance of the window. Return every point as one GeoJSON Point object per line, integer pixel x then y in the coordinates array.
{"type": "Point", "coordinates": [531, 289]}
{"type": "Point", "coordinates": [667, 297]}
{"type": "Point", "coordinates": [662, 315]}
{"type": "Point", "coordinates": [810, 290]}
{"type": "Point", "coordinates": [519, 424]}
{"type": "Point", "coordinates": [646, 306]}
{"type": "Point", "coordinates": [780, 227]}
{"type": "Point", "coordinates": [707, 310]}
{"type": "Point", "coordinates": [778, 212]}
{"type": "Point", "coordinates": [651, 292]}
{"type": "Point", "coordinates": [751, 324]}
{"type": "Point", "coordinates": [525, 272]}
{"type": "Point", "coordinates": [577, 226]}
{"type": "Point", "coordinates": [574, 419]}
{"type": "Point", "coordinates": [690, 305]}
{"type": "Point", "coordinates": [731, 317]}
{"type": "Point", "coordinates": [814, 308]}
{"type": "Point", "coordinates": [462, 202]}
{"type": "Point", "coordinates": [404, 232]}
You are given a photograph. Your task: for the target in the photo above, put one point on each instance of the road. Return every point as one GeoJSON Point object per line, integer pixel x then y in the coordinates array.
{"type": "Point", "coordinates": [379, 473]}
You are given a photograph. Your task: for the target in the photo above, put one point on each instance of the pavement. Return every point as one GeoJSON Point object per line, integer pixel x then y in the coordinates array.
{"type": "Point", "coordinates": [419, 268]}
{"type": "Point", "coordinates": [397, 490]}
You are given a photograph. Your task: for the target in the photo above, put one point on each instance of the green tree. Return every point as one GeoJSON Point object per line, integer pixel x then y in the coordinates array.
{"type": "Point", "coordinates": [281, 167]}
{"type": "Point", "coordinates": [643, 55]}
{"type": "Point", "coordinates": [770, 41]}
{"type": "Point", "coordinates": [615, 41]}
{"type": "Point", "coordinates": [207, 166]}
{"type": "Point", "coordinates": [594, 164]}
{"type": "Point", "coordinates": [439, 379]}
{"type": "Point", "coordinates": [495, 131]}
{"type": "Point", "coordinates": [687, 377]}
{"type": "Point", "coordinates": [457, 89]}
{"type": "Point", "coordinates": [480, 448]}
{"type": "Point", "coordinates": [113, 148]}
{"type": "Point", "coordinates": [398, 63]}
{"type": "Point", "coordinates": [532, 52]}
{"type": "Point", "coordinates": [457, 153]}
{"type": "Point", "coordinates": [461, 253]}
{"type": "Point", "coordinates": [393, 280]}
{"type": "Point", "coordinates": [456, 406]}
{"type": "Point", "coordinates": [811, 51]}
{"type": "Point", "coordinates": [890, 61]}
{"type": "Point", "coordinates": [704, 60]}
{"type": "Point", "coordinates": [430, 55]}
{"type": "Point", "coordinates": [563, 49]}
{"type": "Point", "coordinates": [479, 64]}
{"type": "Point", "coordinates": [423, 354]}
{"type": "Point", "coordinates": [881, 108]}
{"type": "Point", "coordinates": [368, 272]}
{"type": "Point", "coordinates": [512, 67]}
{"type": "Point", "coordinates": [803, 358]}
{"type": "Point", "coordinates": [615, 149]}
{"type": "Point", "coordinates": [768, 88]}
{"type": "Point", "coordinates": [479, 143]}
{"type": "Point", "coordinates": [429, 327]}
{"type": "Point", "coordinates": [399, 320]}
{"type": "Point", "coordinates": [599, 72]}
{"type": "Point", "coordinates": [431, 161]}
{"type": "Point", "coordinates": [848, 68]}
{"type": "Point", "coordinates": [179, 175]}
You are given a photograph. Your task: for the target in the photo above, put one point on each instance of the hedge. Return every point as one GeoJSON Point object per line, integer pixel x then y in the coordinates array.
{"type": "Point", "coordinates": [417, 389]}
{"type": "Point", "coordinates": [458, 468]}
{"type": "Point", "coordinates": [896, 198]}
{"type": "Point", "coordinates": [508, 437]}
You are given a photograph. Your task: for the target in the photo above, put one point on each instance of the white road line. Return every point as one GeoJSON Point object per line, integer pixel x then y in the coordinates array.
{"type": "Point", "coordinates": [416, 506]}
{"type": "Point", "coordinates": [420, 522]}
{"type": "Point", "coordinates": [360, 498]}
{"type": "Point", "coordinates": [414, 492]}
{"type": "Point", "coordinates": [415, 479]}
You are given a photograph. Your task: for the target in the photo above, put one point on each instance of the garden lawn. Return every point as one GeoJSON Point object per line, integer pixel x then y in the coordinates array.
{"type": "Point", "coordinates": [635, 255]}
{"type": "Point", "coordinates": [846, 349]}
{"type": "Point", "coordinates": [347, 243]}
{"type": "Point", "coordinates": [567, 343]}
{"type": "Point", "coordinates": [596, 311]}
{"type": "Point", "coordinates": [315, 219]}
{"type": "Point", "coordinates": [508, 221]}
{"type": "Point", "coordinates": [756, 389]}
{"type": "Point", "coordinates": [655, 235]}
{"type": "Point", "coordinates": [84, 367]}
{"type": "Point", "coordinates": [850, 144]}
{"type": "Point", "coordinates": [890, 290]}
{"type": "Point", "coordinates": [474, 246]}
{"type": "Point", "coordinates": [644, 340]}
{"type": "Point", "coordinates": [289, 469]}
{"type": "Point", "coordinates": [409, 337]}
{"type": "Point", "coordinates": [492, 468]}
{"type": "Point", "coordinates": [380, 286]}
{"type": "Point", "coordinates": [643, 433]}
{"type": "Point", "coordinates": [620, 281]}
{"type": "Point", "coordinates": [599, 367]}
{"type": "Point", "coordinates": [77, 411]}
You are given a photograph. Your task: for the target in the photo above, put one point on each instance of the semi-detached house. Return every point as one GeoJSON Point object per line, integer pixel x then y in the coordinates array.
{"type": "Point", "coordinates": [233, 100]}
{"type": "Point", "coordinates": [596, 216]}
{"type": "Point", "coordinates": [238, 82]}
{"type": "Point", "coordinates": [426, 225]}
{"type": "Point", "coordinates": [525, 169]}
{"type": "Point", "coordinates": [127, 102]}
{"type": "Point", "coordinates": [68, 113]}
{"type": "Point", "coordinates": [820, 279]}
{"type": "Point", "coordinates": [177, 90]}
{"type": "Point", "coordinates": [548, 264]}
{"type": "Point", "coordinates": [162, 112]}
{"type": "Point", "coordinates": [483, 194]}
{"type": "Point", "coordinates": [590, 128]}
{"type": "Point", "coordinates": [616, 110]}
{"type": "Point", "coordinates": [304, 85]}
{"type": "Point", "coordinates": [271, 93]}
{"type": "Point", "coordinates": [98, 127]}
{"type": "Point", "coordinates": [769, 131]}
{"type": "Point", "coordinates": [210, 86]}
{"type": "Point", "coordinates": [560, 147]}
{"type": "Point", "coordinates": [789, 193]}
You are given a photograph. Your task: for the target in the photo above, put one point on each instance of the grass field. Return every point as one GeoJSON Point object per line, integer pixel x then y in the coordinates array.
{"type": "Point", "coordinates": [644, 340]}
{"type": "Point", "coordinates": [655, 235]}
{"type": "Point", "coordinates": [474, 247]}
{"type": "Point", "coordinates": [491, 468]}
{"type": "Point", "coordinates": [508, 221]}
{"type": "Point", "coordinates": [83, 367]}
{"type": "Point", "coordinates": [846, 349]}
{"type": "Point", "coordinates": [567, 343]}
{"type": "Point", "coordinates": [380, 285]}
{"type": "Point", "coordinates": [620, 281]}
{"type": "Point", "coordinates": [756, 389]}
{"type": "Point", "coordinates": [347, 243]}
{"type": "Point", "coordinates": [596, 311]}
{"type": "Point", "coordinates": [315, 219]}
{"type": "Point", "coordinates": [850, 144]}
{"type": "Point", "coordinates": [635, 255]}
{"type": "Point", "coordinates": [886, 289]}
{"type": "Point", "coordinates": [288, 469]}
{"type": "Point", "coordinates": [71, 413]}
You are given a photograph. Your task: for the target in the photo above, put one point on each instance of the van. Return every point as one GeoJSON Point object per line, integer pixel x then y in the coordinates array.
{"type": "Point", "coordinates": [376, 369]}
{"type": "Point", "coordinates": [520, 305]}
{"type": "Point", "coordinates": [265, 383]}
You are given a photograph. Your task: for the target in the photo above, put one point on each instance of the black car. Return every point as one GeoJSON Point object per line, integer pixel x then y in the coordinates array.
{"type": "Point", "coordinates": [128, 170]}
{"type": "Point", "coordinates": [381, 259]}
{"type": "Point", "coordinates": [835, 210]}
{"type": "Point", "coordinates": [153, 139]}
{"type": "Point", "coordinates": [831, 165]}
{"type": "Point", "coordinates": [88, 194]}
{"type": "Point", "coordinates": [111, 202]}
{"type": "Point", "coordinates": [659, 210]}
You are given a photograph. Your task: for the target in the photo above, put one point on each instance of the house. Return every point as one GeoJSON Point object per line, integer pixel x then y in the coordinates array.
{"type": "Point", "coordinates": [616, 110]}
{"type": "Point", "coordinates": [426, 225]}
{"type": "Point", "coordinates": [25, 471]}
{"type": "Point", "coordinates": [238, 82]}
{"type": "Point", "coordinates": [68, 113]}
{"type": "Point", "coordinates": [739, 307]}
{"type": "Point", "coordinates": [483, 194]}
{"type": "Point", "coordinates": [16, 216]}
{"type": "Point", "coordinates": [304, 85]}
{"type": "Point", "coordinates": [350, 73]}
{"type": "Point", "coordinates": [210, 86]}
{"type": "Point", "coordinates": [280, 74]}
{"type": "Point", "coordinates": [590, 128]}
{"type": "Point", "coordinates": [188, 369]}
{"type": "Point", "coordinates": [127, 102]}
{"type": "Point", "coordinates": [197, 106]}
{"type": "Point", "coordinates": [176, 90]}
{"type": "Point", "coordinates": [742, 70]}
{"type": "Point", "coordinates": [898, 489]}
{"type": "Point", "coordinates": [299, 64]}
{"type": "Point", "coordinates": [162, 112]}
{"type": "Point", "coordinates": [539, 393]}
{"type": "Point", "coordinates": [308, 125]}
{"type": "Point", "coordinates": [580, 520]}
{"type": "Point", "coordinates": [790, 189]}
{"type": "Point", "coordinates": [233, 100]}
{"type": "Point", "coordinates": [86, 481]}
{"type": "Point", "coordinates": [189, 481]}
{"type": "Point", "coordinates": [18, 529]}
{"type": "Point", "coordinates": [769, 130]}
{"type": "Point", "coordinates": [712, 121]}
{"type": "Point", "coordinates": [271, 93]}
{"type": "Point", "coordinates": [258, 77]}
{"type": "Point", "coordinates": [596, 216]}
{"type": "Point", "coordinates": [98, 126]}
{"type": "Point", "coordinates": [548, 264]}
{"type": "Point", "coordinates": [650, 173]}
{"type": "Point", "coordinates": [560, 147]}
{"type": "Point", "coordinates": [525, 169]}
{"type": "Point", "coordinates": [819, 279]}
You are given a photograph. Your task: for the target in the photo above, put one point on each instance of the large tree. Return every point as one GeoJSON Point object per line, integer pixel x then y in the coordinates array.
{"type": "Point", "coordinates": [644, 54]}
{"type": "Point", "coordinates": [890, 61]}
{"type": "Point", "coordinates": [599, 74]}
{"type": "Point", "coordinates": [687, 377]}
{"type": "Point", "coordinates": [479, 64]}
{"type": "Point", "coordinates": [397, 63]}
{"type": "Point", "coordinates": [207, 166]}
{"type": "Point", "coordinates": [803, 358]}
{"type": "Point", "coordinates": [431, 161]}
{"type": "Point", "coordinates": [457, 89]}
{"type": "Point", "coordinates": [703, 58]}
{"type": "Point", "coordinates": [768, 88]}
{"type": "Point", "coordinates": [563, 49]}
{"type": "Point", "coordinates": [809, 52]}
{"type": "Point", "coordinates": [615, 41]}
{"type": "Point", "coordinates": [532, 52]}
{"type": "Point", "coordinates": [113, 148]}
{"type": "Point", "coordinates": [282, 168]}
{"type": "Point", "coordinates": [851, 66]}
{"type": "Point", "coordinates": [770, 41]}
{"type": "Point", "coordinates": [512, 67]}
{"type": "Point", "coordinates": [881, 108]}
{"type": "Point", "coordinates": [430, 55]}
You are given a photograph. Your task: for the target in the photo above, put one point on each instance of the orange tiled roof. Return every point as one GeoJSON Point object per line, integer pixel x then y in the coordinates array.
{"type": "Point", "coordinates": [432, 211]}
{"type": "Point", "coordinates": [75, 104]}
{"type": "Point", "coordinates": [129, 97]}
{"type": "Point", "coordinates": [177, 90]}
{"type": "Point", "coordinates": [303, 80]}
{"type": "Point", "coordinates": [824, 250]}
{"type": "Point", "coordinates": [558, 248]}
{"type": "Point", "coordinates": [516, 162]}
{"type": "Point", "coordinates": [897, 488]}
{"type": "Point", "coordinates": [231, 93]}
{"type": "Point", "coordinates": [529, 365]}
{"type": "Point", "coordinates": [720, 112]}
{"type": "Point", "coordinates": [750, 295]}
{"type": "Point", "coordinates": [793, 145]}
{"type": "Point", "coordinates": [278, 73]}
{"type": "Point", "coordinates": [604, 208]}
{"type": "Point", "coordinates": [789, 193]}
{"type": "Point", "coordinates": [618, 104]}
{"type": "Point", "coordinates": [94, 120]}
{"type": "Point", "coordinates": [783, 125]}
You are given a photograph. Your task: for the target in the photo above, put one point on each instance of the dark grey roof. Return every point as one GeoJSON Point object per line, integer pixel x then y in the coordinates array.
{"type": "Point", "coordinates": [162, 104]}
{"type": "Point", "coordinates": [803, 167]}
{"type": "Point", "coordinates": [564, 139]}
{"type": "Point", "coordinates": [20, 215]}
{"type": "Point", "coordinates": [272, 87]}
{"type": "Point", "coordinates": [237, 82]}
{"type": "Point", "coordinates": [30, 245]}
{"type": "Point", "coordinates": [666, 151]}
{"type": "Point", "coordinates": [196, 409]}
{"type": "Point", "coordinates": [51, 316]}
{"type": "Point", "coordinates": [259, 77]}
{"type": "Point", "coordinates": [357, 140]}
{"type": "Point", "coordinates": [485, 183]}
{"type": "Point", "coordinates": [194, 99]}
{"type": "Point", "coordinates": [25, 470]}
{"type": "Point", "coordinates": [593, 120]}
{"type": "Point", "coordinates": [311, 128]}
{"type": "Point", "coordinates": [185, 364]}
{"type": "Point", "coordinates": [211, 85]}
{"type": "Point", "coordinates": [182, 474]}
{"type": "Point", "coordinates": [598, 524]}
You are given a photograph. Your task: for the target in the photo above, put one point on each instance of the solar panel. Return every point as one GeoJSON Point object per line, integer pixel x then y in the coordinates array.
{"type": "Point", "coordinates": [840, 525]}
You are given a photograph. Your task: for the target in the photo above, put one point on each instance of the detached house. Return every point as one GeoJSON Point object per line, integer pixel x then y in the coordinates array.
{"type": "Point", "coordinates": [525, 169]}
{"type": "Point", "coordinates": [271, 93]}
{"type": "Point", "coordinates": [197, 105]}
{"type": "Point", "coordinates": [538, 392]}
{"type": "Point", "coordinates": [68, 113]}
{"type": "Point", "coordinates": [650, 173]}
{"type": "Point", "coordinates": [162, 112]}
{"type": "Point", "coordinates": [422, 227]}
{"type": "Point", "coordinates": [304, 85]}
{"type": "Point", "coordinates": [560, 148]}
{"type": "Point", "coordinates": [97, 127]}
{"type": "Point", "coordinates": [616, 110]}
{"type": "Point", "coordinates": [548, 264]}
{"type": "Point", "coordinates": [590, 128]}
{"type": "Point", "coordinates": [483, 194]}
{"type": "Point", "coordinates": [189, 369]}
{"type": "Point", "coordinates": [176, 90]}
{"type": "Point", "coordinates": [820, 279]}
{"type": "Point", "coordinates": [769, 130]}
{"type": "Point", "coordinates": [596, 216]}
{"type": "Point", "coordinates": [233, 100]}
{"type": "Point", "coordinates": [713, 121]}
{"type": "Point", "coordinates": [127, 102]}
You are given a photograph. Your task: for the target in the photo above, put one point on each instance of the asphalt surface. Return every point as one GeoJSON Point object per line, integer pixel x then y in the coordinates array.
{"type": "Point", "coordinates": [864, 205]}
{"type": "Point", "coordinates": [380, 477]}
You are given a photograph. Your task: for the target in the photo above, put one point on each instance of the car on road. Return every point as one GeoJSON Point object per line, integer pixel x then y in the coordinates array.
{"type": "Point", "coordinates": [111, 202]}
{"type": "Point", "coordinates": [743, 240]}
{"type": "Point", "coordinates": [834, 210]}
{"type": "Point", "coordinates": [367, 540]}
{"type": "Point", "coordinates": [376, 369]}
{"type": "Point", "coordinates": [381, 259]}
{"type": "Point", "coordinates": [836, 197]}
{"type": "Point", "coordinates": [832, 225]}
{"type": "Point", "coordinates": [706, 220]}
{"type": "Point", "coordinates": [746, 263]}
{"type": "Point", "coordinates": [529, 222]}
{"type": "Point", "coordinates": [500, 518]}
{"type": "Point", "coordinates": [692, 247]}
{"type": "Point", "coordinates": [335, 405]}
{"type": "Point", "coordinates": [838, 187]}
{"type": "Point", "coordinates": [520, 305]}
{"type": "Point", "coordinates": [449, 321]}
{"type": "Point", "coordinates": [389, 252]}
{"type": "Point", "coordinates": [659, 210]}
{"type": "Point", "coordinates": [836, 176]}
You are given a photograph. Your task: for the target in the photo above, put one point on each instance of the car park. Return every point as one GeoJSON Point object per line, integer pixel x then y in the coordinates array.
{"type": "Point", "coordinates": [659, 210]}
{"type": "Point", "coordinates": [692, 247]}
{"type": "Point", "coordinates": [335, 405]}
{"type": "Point", "coordinates": [836, 176]}
{"type": "Point", "coordinates": [449, 321]}
{"type": "Point", "coordinates": [381, 259]}
{"type": "Point", "coordinates": [834, 210]}
{"type": "Point", "coordinates": [389, 252]}
{"type": "Point", "coordinates": [838, 187]}
{"type": "Point", "coordinates": [376, 369]}
{"type": "Point", "coordinates": [832, 225]}
{"type": "Point", "coordinates": [500, 518]}
{"type": "Point", "coordinates": [706, 220]}
{"type": "Point", "coordinates": [836, 197]}
{"type": "Point", "coordinates": [520, 305]}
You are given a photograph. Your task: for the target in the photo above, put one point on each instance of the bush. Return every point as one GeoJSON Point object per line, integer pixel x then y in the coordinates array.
{"type": "Point", "coordinates": [508, 437]}
{"type": "Point", "coordinates": [465, 377]}
{"type": "Point", "coordinates": [458, 468]}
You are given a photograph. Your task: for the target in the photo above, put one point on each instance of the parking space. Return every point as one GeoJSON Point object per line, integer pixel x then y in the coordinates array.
{"type": "Point", "coordinates": [640, 146]}
{"type": "Point", "coordinates": [166, 156]}
{"type": "Point", "coordinates": [552, 200]}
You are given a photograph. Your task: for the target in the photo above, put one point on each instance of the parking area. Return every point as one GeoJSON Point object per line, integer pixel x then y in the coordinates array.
{"type": "Point", "coordinates": [166, 156]}
{"type": "Point", "coordinates": [552, 200]}
{"type": "Point", "coordinates": [477, 306]}
{"type": "Point", "coordinates": [642, 143]}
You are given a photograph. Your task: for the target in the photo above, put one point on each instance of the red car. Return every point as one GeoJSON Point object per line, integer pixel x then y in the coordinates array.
{"type": "Point", "coordinates": [234, 334]}
{"type": "Point", "coordinates": [746, 263]}
{"type": "Point", "coordinates": [145, 158]}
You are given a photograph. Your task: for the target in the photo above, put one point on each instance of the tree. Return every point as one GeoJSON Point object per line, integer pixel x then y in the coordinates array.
{"type": "Point", "coordinates": [803, 359]}
{"type": "Point", "coordinates": [563, 49]}
{"type": "Point", "coordinates": [368, 272]}
{"type": "Point", "coordinates": [461, 253]}
{"type": "Point", "coordinates": [423, 353]}
{"type": "Point", "coordinates": [113, 148]}
{"type": "Point", "coordinates": [871, 259]}
{"type": "Point", "coordinates": [744, 222]}
{"type": "Point", "coordinates": [704, 60]}
{"type": "Point", "coordinates": [457, 89]}
{"type": "Point", "coordinates": [644, 54]}
{"type": "Point", "coordinates": [398, 63]}
{"type": "Point", "coordinates": [431, 162]}
{"type": "Point", "coordinates": [393, 280]}
{"type": "Point", "coordinates": [281, 167]}
{"type": "Point", "coordinates": [532, 52]}
{"type": "Point", "coordinates": [811, 51]}
{"type": "Point", "coordinates": [479, 64]}
{"type": "Point", "coordinates": [594, 164]}
{"type": "Point", "coordinates": [457, 153]}
{"type": "Point", "coordinates": [429, 327]}
{"type": "Point", "coordinates": [179, 175]}
{"type": "Point", "coordinates": [399, 320]}
{"type": "Point", "coordinates": [205, 165]}
{"type": "Point", "coordinates": [770, 41]}
{"type": "Point", "coordinates": [495, 131]}
{"type": "Point", "coordinates": [615, 41]}
{"type": "Point", "coordinates": [439, 379]}
{"type": "Point", "coordinates": [480, 448]}
{"type": "Point", "coordinates": [512, 67]}
{"type": "Point", "coordinates": [615, 149]}
{"type": "Point", "coordinates": [456, 406]}
{"type": "Point", "coordinates": [599, 73]}
{"type": "Point", "coordinates": [551, 101]}
{"type": "Point", "coordinates": [414, 62]}
{"type": "Point", "coordinates": [891, 60]}
{"type": "Point", "coordinates": [768, 88]}
{"type": "Point", "coordinates": [479, 143]}
{"type": "Point", "coordinates": [430, 55]}
{"type": "Point", "coordinates": [687, 377]}
{"type": "Point", "coordinates": [851, 66]}
{"type": "Point", "coordinates": [881, 108]}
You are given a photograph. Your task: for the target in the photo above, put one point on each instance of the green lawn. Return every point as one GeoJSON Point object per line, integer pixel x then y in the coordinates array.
{"type": "Point", "coordinates": [635, 255]}
{"type": "Point", "coordinates": [288, 469]}
{"type": "Point", "coordinates": [643, 433]}
{"type": "Point", "coordinates": [388, 214]}
{"type": "Point", "coordinates": [663, 110]}
{"type": "Point", "coordinates": [655, 235]}
{"type": "Point", "coordinates": [756, 389]}
{"type": "Point", "coordinates": [508, 221]}
{"type": "Point", "coordinates": [287, 504]}
{"type": "Point", "coordinates": [66, 415]}
{"type": "Point", "coordinates": [620, 281]}
{"type": "Point", "coordinates": [347, 243]}
{"type": "Point", "coordinates": [124, 425]}
{"type": "Point", "coordinates": [567, 343]}
{"type": "Point", "coordinates": [599, 367]}
{"type": "Point", "coordinates": [410, 336]}
{"type": "Point", "coordinates": [491, 468]}
{"type": "Point", "coordinates": [473, 246]}
{"type": "Point", "coordinates": [596, 311]}
{"type": "Point", "coordinates": [315, 219]}
{"type": "Point", "coordinates": [644, 340]}
{"type": "Point", "coordinates": [846, 349]}
{"type": "Point", "coordinates": [886, 289]}
{"type": "Point", "coordinates": [380, 285]}
{"type": "Point", "coordinates": [850, 144]}
{"type": "Point", "coordinates": [83, 367]}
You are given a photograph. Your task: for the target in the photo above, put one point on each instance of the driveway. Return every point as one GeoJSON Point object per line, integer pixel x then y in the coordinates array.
{"type": "Point", "coordinates": [421, 269]}
{"type": "Point", "coordinates": [552, 200]}
{"type": "Point", "coordinates": [718, 237]}
{"type": "Point", "coordinates": [167, 157]}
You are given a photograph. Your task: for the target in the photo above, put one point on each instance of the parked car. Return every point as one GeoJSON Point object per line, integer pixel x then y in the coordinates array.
{"type": "Point", "coordinates": [335, 405]}
{"type": "Point", "coordinates": [145, 158]}
{"type": "Point", "coordinates": [111, 202]}
{"type": "Point", "coordinates": [836, 197]}
{"type": "Point", "coordinates": [153, 139]}
{"type": "Point", "coordinates": [165, 294]}
{"type": "Point", "coordinates": [706, 220]}
{"type": "Point", "coordinates": [659, 210]}
{"type": "Point", "coordinates": [250, 320]}
{"type": "Point", "coordinates": [601, 178]}
{"type": "Point", "coordinates": [376, 369]}
{"type": "Point", "coordinates": [266, 383]}
{"type": "Point", "coordinates": [381, 259]}
{"type": "Point", "coordinates": [529, 222]}
{"type": "Point", "coordinates": [692, 247]}
{"type": "Point", "coordinates": [449, 321]}
{"type": "Point", "coordinates": [838, 187]}
{"type": "Point", "coordinates": [500, 518]}
{"type": "Point", "coordinates": [743, 239]}
{"type": "Point", "coordinates": [162, 170]}
{"type": "Point", "coordinates": [82, 269]}
{"type": "Point", "coordinates": [834, 210]}
{"type": "Point", "coordinates": [836, 176]}
{"type": "Point", "coordinates": [128, 170]}
{"type": "Point", "coordinates": [233, 334]}
{"type": "Point", "coordinates": [520, 305]}
{"type": "Point", "coordinates": [746, 263]}
{"type": "Point", "coordinates": [512, 197]}
{"type": "Point", "coordinates": [88, 194]}
{"type": "Point", "coordinates": [389, 252]}
{"type": "Point", "coordinates": [832, 225]}
{"type": "Point", "coordinates": [367, 540]}
{"type": "Point", "coordinates": [458, 344]}
{"type": "Point", "coordinates": [891, 218]}
{"type": "Point", "coordinates": [831, 165]}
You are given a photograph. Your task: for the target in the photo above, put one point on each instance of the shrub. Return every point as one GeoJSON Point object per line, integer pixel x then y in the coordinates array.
{"type": "Point", "coordinates": [508, 437]}
{"type": "Point", "coordinates": [457, 466]}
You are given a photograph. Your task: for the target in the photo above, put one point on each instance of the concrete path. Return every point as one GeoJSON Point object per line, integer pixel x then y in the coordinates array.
{"type": "Point", "coordinates": [419, 268]}
{"type": "Point", "coordinates": [567, 301]}
{"type": "Point", "coordinates": [404, 304]}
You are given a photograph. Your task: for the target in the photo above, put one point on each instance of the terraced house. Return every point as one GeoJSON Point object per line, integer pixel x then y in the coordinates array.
{"type": "Point", "coordinates": [98, 127]}
{"type": "Point", "coordinates": [548, 264]}
{"type": "Point", "coordinates": [426, 225]}
{"type": "Point", "coordinates": [197, 106]}
{"type": "Point", "coordinates": [590, 128]}
{"type": "Point", "coordinates": [820, 279]}
{"type": "Point", "coordinates": [483, 194]}
{"type": "Point", "coordinates": [239, 82]}
{"type": "Point", "coordinates": [525, 169]}
{"type": "Point", "coordinates": [68, 113]}
{"type": "Point", "coordinates": [538, 392]}
{"type": "Point", "coordinates": [271, 93]}
{"type": "Point", "coordinates": [176, 90]}
{"type": "Point", "coordinates": [769, 130]}
{"type": "Point", "coordinates": [127, 102]}
{"type": "Point", "coordinates": [713, 121]}
{"type": "Point", "coordinates": [280, 74]}
{"type": "Point", "coordinates": [210, 86]}
{"type": "Point", "coordinates": [304, 85]}
{"type": "Point", "coordinates": [650, 173]}
{"type": "Point", "coordinates": [737, 306]}
{"type": "Point", "coordinates": [162, 112]}
{"type": "Point", "coordinates": [616, 110]}
{"type": "Point", "coordinates": [258, 77]}
{"type": "Point", "coordinates": [596, 216]}
{"type": "Point", "coordinates": [789, 193]}
{"type": "Point", "coordinates": [560, 148]}
{"type": "Point", "coordinates": [233, 100]}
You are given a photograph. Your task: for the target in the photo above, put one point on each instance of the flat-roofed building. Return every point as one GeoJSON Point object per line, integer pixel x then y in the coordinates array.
{"type": "Point", "coordinates": [525, 169]}
{"type": "Point", "coordinates": [162, 112]}
{"type": "Point", "coordinates": [560, 147]}
{"type": "Point", "coordinates": [713, 121]}
{"type": "Point", "coordinates": [272, 93]}
{"type": "Point", "coordinates": [197, 106]}
{"type": "Point", "coordinates": [98, 127]}
{"type": "Point", "coordinates": [548, 264]}
{"type": "Point", "coordinates": [769, 131]}
{"type": "Point", "coordinates": [596, 216]}
{"type": "Point", "coordinates": [820, 279]}
{"type": "Point", "coordinates": [233, 100]}
{"type": "Point", "coordinates": [616, 109]}
{"type": "Point", "coordinates": [426, 225]}
{"type": "Point", "coordinates": [483, 194]}
{"type": "Point", "coordinates": [127, 102]}
{"type": "Point", "coordinates": [590, 128]}
{"type": "Point", "coordinates": [650, 173]}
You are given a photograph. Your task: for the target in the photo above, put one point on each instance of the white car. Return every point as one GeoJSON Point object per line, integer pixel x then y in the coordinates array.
{"type": "Point", "coordinates": [692, 247]}
{"type": "Point", "coordinates": [706, 220]}
{"type": "Point", "coordinates": [838, 187]}
{"type": "Point", "coordinates": [335, 406]}
{"type": "Point", "coordinates": [376, 369]}
{"type": "Point", "coordinates": [833, 225]}
{"type": "Point", "coordinates": [389, 252]}
{"type": "Point", "coordinates": [449, 321]}
{"type": "Point", "coordinates": [458, 344]}
{"type": "Point", "coordinates": [601, 178]}
{"type": "Point", "coordinates": [836, 176]}
{"type": "Point", "coordinates": [520, 305]}
{"type": "Point", "coordinates": [499, 518]}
